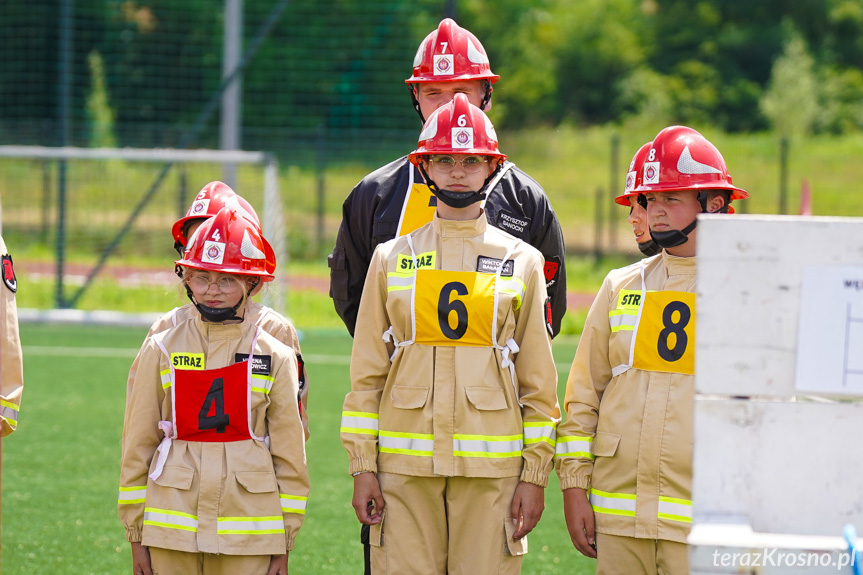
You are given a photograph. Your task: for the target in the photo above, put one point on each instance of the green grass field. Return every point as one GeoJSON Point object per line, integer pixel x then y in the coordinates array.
{"type": "Point", "coordinates": [60, 469]}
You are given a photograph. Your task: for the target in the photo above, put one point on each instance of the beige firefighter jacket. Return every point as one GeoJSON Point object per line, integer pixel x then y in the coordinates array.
{"type": "Point", "coordinates": [457, 407]}
{"type": "Point", "coordinates": [270, 321]}
{"type": "Point", "coordinates": [235, 498]}
{"type": "Point", "coordinates": [11, 360]}
{"type": "Point", "coordinates": [628, 430]}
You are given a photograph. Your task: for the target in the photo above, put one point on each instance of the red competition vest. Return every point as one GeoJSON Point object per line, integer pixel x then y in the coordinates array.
{"type": "Point", "coordinates": [213, 404]}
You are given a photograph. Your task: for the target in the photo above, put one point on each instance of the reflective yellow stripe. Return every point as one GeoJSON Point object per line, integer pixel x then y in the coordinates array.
{"type": "Point", "coordinates": [249, 525]}
{"type": "Point", "coordinates": [293, 503]}
{"type": "Point", "coordinates": [675, 509]}
{"type": "Point", "coordinates": [166, 378]}
{"type": "Point", "coordinates": [402, 443]}
{"type": "Point", "coordinates": [9, 404]}
{"type": "Point", "coordinates": [514, 286]}
{"type": "Point", "coordinates": [612, 503]}
{"type": "Point", "coordinates": [397, 281]}
{"type": "Point", "coordinates": [536, 432]}
{"type": "Point", "coordinates": [487, 446]}
{"type": "Point", "coordinates": [129, 495]}
{"type": "Point", "coordinates": [574, 446]}
{"type": "Point", "coordinates": [170, 519]}
{"type": "Point", "coordinates": [266, 384]}
{"type": "Point", "coordinates": [360, 422]}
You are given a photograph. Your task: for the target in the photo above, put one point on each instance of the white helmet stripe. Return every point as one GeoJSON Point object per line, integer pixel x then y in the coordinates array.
{"type": "Point", "coordinates": [686, 165]}
{"type": "Point", "coordinates": [475, 55]}
{"type": "Point", "coordinates": [249, 250]}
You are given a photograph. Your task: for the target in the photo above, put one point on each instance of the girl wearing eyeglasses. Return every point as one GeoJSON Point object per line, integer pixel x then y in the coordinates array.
{"type": "Point", "coordinates": [213, 476]}
{"type": "Point", "coordinates": [450, 422]}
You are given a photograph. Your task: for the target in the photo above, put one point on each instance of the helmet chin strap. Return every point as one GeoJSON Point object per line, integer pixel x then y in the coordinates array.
{"type": "Point", "coordinates": [458, 199]}
{"type": "Point", "coordinates": [649, 248]}
{"type": "Point", "coordinates": [219, 314]}
{"type": "Point", "coordinates": [674, 238]}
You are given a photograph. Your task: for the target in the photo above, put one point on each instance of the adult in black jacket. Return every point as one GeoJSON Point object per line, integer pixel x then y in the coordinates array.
{"type": "Point", "coordinates": [450, 60]}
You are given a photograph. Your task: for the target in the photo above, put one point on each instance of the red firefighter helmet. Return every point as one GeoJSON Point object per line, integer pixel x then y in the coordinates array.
{"type": "Point", "coordinates": [633, 176]}
{"type": "Point", "coordinates": [212, 198]}
{"type": "Point", "coordinates": [230, 243]}
{"type": "Point", "coordinates": [457, 128]}
{"type": "Point", "coordinates": [682, 159]}
{"type": "Point", "coordinates": [450, 54]}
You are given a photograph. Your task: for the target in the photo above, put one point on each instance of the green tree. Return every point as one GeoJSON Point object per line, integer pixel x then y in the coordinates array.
{"type": "Point", "coordinates": [99, 112]}
{"type": "Point", "coordinates": [791, 100]}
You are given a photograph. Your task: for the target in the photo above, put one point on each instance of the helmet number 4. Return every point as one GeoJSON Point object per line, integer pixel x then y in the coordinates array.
{"type": "Point", "coordinates": [446, 307]}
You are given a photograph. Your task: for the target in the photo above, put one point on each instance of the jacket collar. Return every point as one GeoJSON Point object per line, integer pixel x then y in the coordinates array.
{"type": "Point", "coordinates": [461, 228]}
{"type": "Point", "coordinates": [678, 265]}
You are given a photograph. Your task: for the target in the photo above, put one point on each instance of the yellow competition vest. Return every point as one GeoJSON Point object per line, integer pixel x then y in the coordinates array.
{"type": "Point", "coordinates": [454, 308]}
{"type": "Point", "coordinates": [418, 208]}
{"type": "Point", "coordinates": [665, 334]}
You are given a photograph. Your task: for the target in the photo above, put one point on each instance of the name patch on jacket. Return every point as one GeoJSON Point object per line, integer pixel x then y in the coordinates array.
{"type": "Point", "coordinates": [261, 364]}
{"type": "Point", "coordinates": [188, 361]}
{"type": "Point", "coordinates": [512, 223]}
{"type": "Point", "coordinates": [488, 265]}
{"type": "Point", "coordinates": [424, 260]}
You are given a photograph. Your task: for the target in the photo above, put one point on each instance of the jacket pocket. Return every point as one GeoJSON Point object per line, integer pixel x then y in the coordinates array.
{"type": "Point", "coordinates": [376, 532]}
{"type": "Point", "coordinates": [486, 398]}
{"type": "Point", "coordinates": [176, 477]}
{"type": "Point", "coordinates": [338, 274]}
{"type": "Point", "coordinates": [256, 481]}
{"type": "Point", "coordinates": [408, 397]}
{"type": "Point", "coordinates": [605, 444]}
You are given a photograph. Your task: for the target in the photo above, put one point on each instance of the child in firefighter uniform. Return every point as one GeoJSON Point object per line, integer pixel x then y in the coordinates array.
{"type": "Point", "coordinates": [450, 422]}
{"type": "Point", "coordinates": [11, 360]}
{"type": "Point", "coordinates": [624, 453]}
{"type": "Point", "coordinates": [212, 198]}
{"type": "Point", "coordinates": [213, 476]}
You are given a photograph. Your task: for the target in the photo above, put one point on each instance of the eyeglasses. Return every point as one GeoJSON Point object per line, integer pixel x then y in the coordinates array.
{"type": "Point", "coordinates": [470, 164]}
{"type": "Point", "coordinates": [226, 284]}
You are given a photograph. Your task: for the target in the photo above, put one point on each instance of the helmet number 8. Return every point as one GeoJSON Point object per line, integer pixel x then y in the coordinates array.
{"type": "Point", "coordinates": [652, 156]}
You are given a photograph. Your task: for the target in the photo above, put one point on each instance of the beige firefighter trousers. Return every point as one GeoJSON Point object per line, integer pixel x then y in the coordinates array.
{"type": "Point", "coordinates": [631, 556]}
{"type": "Point", "coordinates": [169, 562]}
{"type": "Point", "coordinates": [445, 525]}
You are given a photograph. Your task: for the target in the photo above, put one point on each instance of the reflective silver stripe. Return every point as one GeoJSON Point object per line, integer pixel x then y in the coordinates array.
{"type": "Point", "coordinates": [537, 432]}
{"type": "Point", "coordinates": [398, 281]}
{"type": "Point", "coordinates": [262, 383]}
{"type": "Point", "coordinates": [129, 495]}
{"type": "Point", "coordinates": [170, 519]}
{"type": "Point", "coordinates": [166, 378]}
{"type": "Point", "coordinates": [622, 320]}
{"type": "Point", "coordinates": [9, 411]}
{"type": "Point", "coordinates": [490, 446]}
{"type": "Point", "coordinates": [249, 525]}
{"type": "Point", "coordinates": [417, 444]}
{"type": "Point", "coordinates": [574, 446]}
{"type": "Point", "coordinates": [675, 509]}
{"type": "Point", "coordinates": [612, 503]}
{"type": "Point", "coordinates": [514, 286]}
{"type": "Point", "coordinates": [359, 422]}
{"type": "Point", "coordinates": [293, 503]}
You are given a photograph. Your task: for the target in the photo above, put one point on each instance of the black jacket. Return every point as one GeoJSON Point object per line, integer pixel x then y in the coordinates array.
{"type": "Point", "coordinates": [370, 216]}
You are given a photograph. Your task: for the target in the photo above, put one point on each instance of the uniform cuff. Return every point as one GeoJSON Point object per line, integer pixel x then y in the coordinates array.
{"type": "Point", "coordinates": [363, 464]}
{"type": "Point", "coordinates": [575, 481]}
{"type": "Point", "coordinates": [535, 476]}
{"type": "Point", "coordinates": [133, 534]}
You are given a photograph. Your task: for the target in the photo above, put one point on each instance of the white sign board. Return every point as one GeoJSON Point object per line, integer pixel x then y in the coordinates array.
{"type": "Point", "coordinates": [830, 333]}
